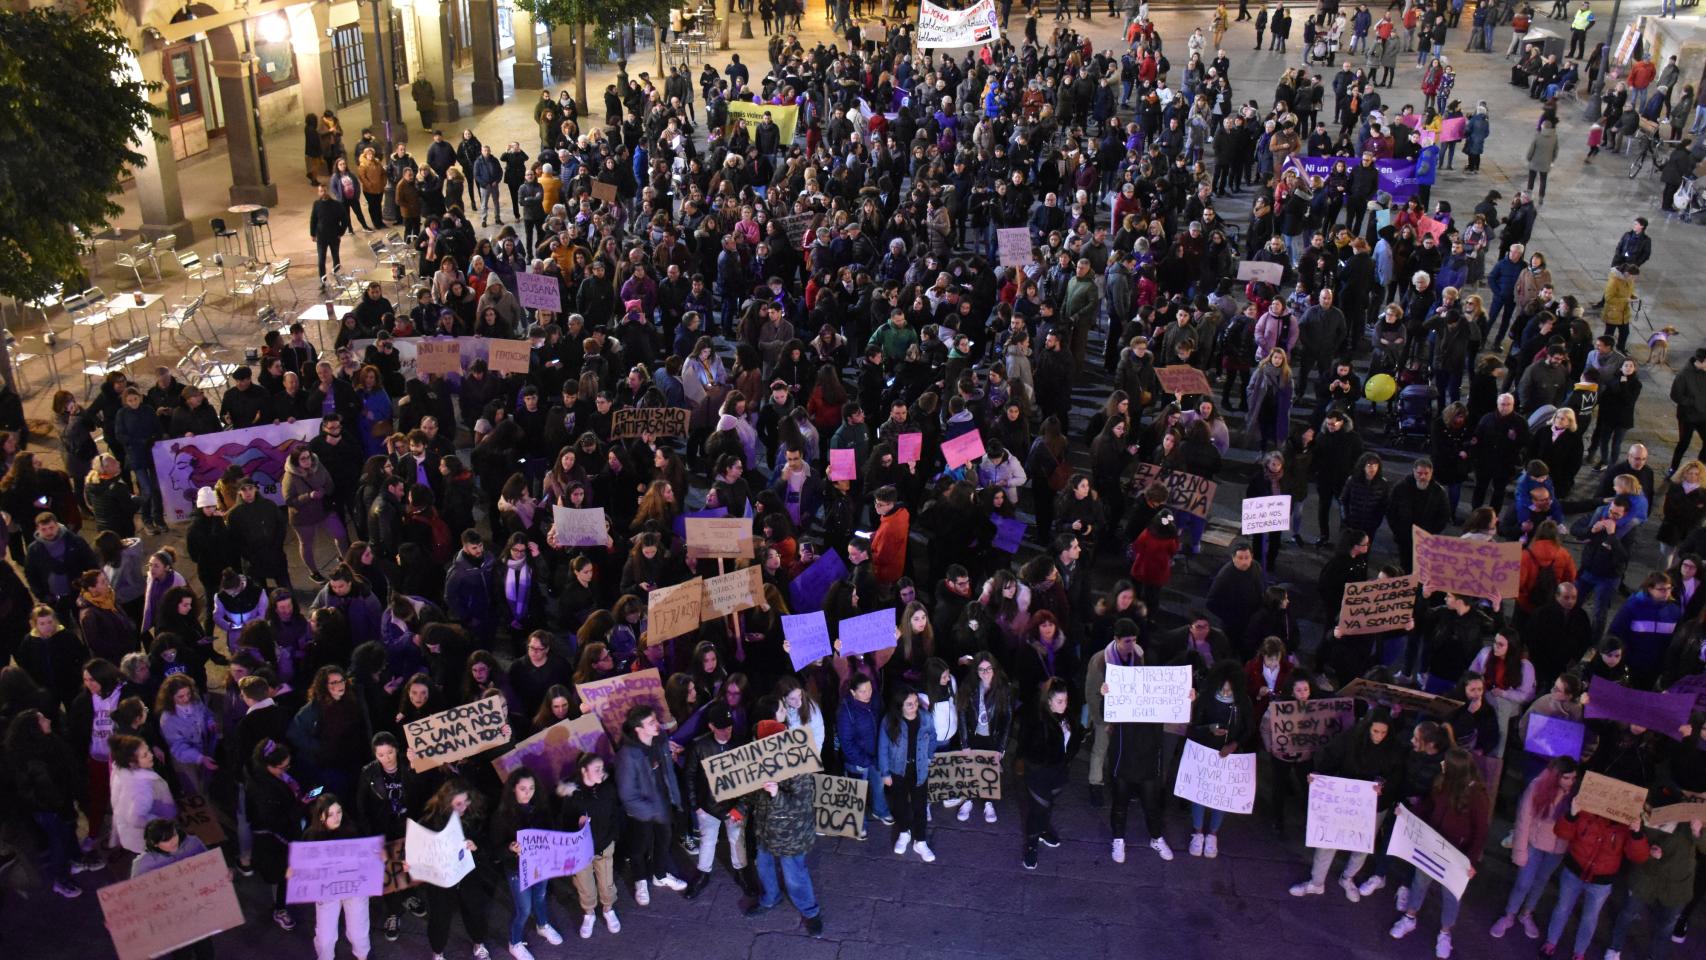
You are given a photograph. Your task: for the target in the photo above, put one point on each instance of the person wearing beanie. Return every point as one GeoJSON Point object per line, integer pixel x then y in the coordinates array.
{"type": "Point", "coordinates": [711, 815]}
{"type": "Point", "coordinates": [784, 820]}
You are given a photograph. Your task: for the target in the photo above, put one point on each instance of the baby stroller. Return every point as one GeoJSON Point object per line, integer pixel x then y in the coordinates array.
{"type": "Point", "coordinates": [1410, 418]}
{"type": "Point", "coordinates": [1321, 51]}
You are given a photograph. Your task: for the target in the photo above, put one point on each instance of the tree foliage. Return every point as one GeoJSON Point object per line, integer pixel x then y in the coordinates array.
{"type": "Point", "coordinates": [71, 110]}
{"type": "Point", "coordinates": [595, 13]}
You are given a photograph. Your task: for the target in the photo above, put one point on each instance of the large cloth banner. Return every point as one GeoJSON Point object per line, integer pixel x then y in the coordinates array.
{"type": "Point", "coordinates": [974, 26]}
{"type": "Point", "coordinates": [184, 464]}
{"type": "Point", "coordinates": [1397, 177]}
{"type": "Point", "coordinates": [785, 118]}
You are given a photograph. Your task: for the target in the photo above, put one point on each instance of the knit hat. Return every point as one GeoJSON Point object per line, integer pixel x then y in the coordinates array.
{"type": "Point", "coordinates": [769, 728]}
{"type": "Point", "coordinates": [205, 497]}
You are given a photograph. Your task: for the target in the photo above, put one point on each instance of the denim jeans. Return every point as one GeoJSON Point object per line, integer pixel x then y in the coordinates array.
{"type": "Point", "coordinates": [59, 839]}
{"type": "Point", "coordinates": [795, 877]}
{"type": "Point", "coordinates": [148, 490]}
{"type": "Point", "coordinates": [1199, 813]}
{"type": "Point", "coordinates": [1664, 920]}
{"type": "Point", "coordinates": [1531, 881]}
{"type": "Point", "coordinates": [534, 901]}
{"type": "Point", "coordinates": [1593, 896]}
{"type": "Point", "coordinates": [1603, 592]}
{"type": "Point", "coordinates": [879, 807]}
{"type": "Point", "coordinates": [1448, 904]}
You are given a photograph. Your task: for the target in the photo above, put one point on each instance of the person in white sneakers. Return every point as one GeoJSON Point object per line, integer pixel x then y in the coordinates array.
{"type": "Point", "coordinates": [1458, 809]}
{"type": "Point", "coordinates": [1367, 751]}
{"type": "Point", "coordinates": [326, 821]}
{"type": "Point", "coordinates": [645, 780]}
{"type": "Point", "coordinates": [590, 798]}
{"type": "Point", "coordinates": [1536, 848]}
{"type": "Point", "coordinates": [985, 717]}
{"type": "Point", "coordinates": [906, 741]}
{"type": "Point", "coordinates": [1134, 762]}
{"type": "Point", "coordinates": [468, 896]}
{"type": "Point", "coordinates": [522, 808]}
{"type": "Point", "coordinates": [1223, 721]}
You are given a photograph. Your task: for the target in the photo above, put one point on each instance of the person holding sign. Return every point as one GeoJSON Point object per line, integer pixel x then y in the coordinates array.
{"type": "Point", "coordinates": [1536, 848]}
{"type": "Point", "coordinates": [1222, 721]}
{"type": "Point", "coordinates": [1661, 887]}
{"type": "Point", "coordinates": [906, 743]}
{"type": "Point", "coordinates": [591, 799]}
{"type": "Point", "coordinates": [164, 845]}
{"type": "Point", "coordinates": [326, 821]}
{"type": "Point", "coordinates": [1369, 752]}
{"type": "Point", "coordinates": [1134, 765]}
{"type": "Point", "coordinates": [1457, 807]}
{"type": "Point", "coordinates": [784, 820]}
{"type": "Point", "coordinates": [1598, 850]}
{"type": "Point", "coordinates": [1047, 747]}
{"type": "Point", "coordinates": [457, 798]}
{"type": "Point", "coordinates": [522, 808]}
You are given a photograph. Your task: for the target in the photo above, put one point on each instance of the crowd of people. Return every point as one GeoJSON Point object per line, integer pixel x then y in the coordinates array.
{"type": "Point", "coordinates": [845, 292]}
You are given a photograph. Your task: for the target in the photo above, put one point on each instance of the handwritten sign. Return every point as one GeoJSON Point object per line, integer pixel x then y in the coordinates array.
{"type": "Point", "coordinates": [965, 773]}
{"type": "Point", "coordinates": [909, 447]}
{"type": "Point", "coordinates": [1419, 844]}
{"type": "Point", "coordinates": [630, 422]}
{"type": "Point", "coordinates": [1661, 713]}
{"type": "Point", "coordinates": [1266, 514]}
{"type": "Point", "coordinates": [1013, 246]}
{"type": "Point", "coordinates": [1183, 380]}
{"type": "Point", "coordinates": [323, 871]}
{"type": "Point", "coordinates": [1474, 568]}
{"type": "Point", "coordinates": [1147, 695]}
{"type": "Point", "coordinates": [441, 858]}
{"type": "Point", "coordinates": [174, 906]}
{"type": "Point", "coordinates": [1261, 271]}
{"type": "Point", "coordinates": [1612, 799]}
{"type": "Point", "coordinates": [1396, 696]}
{"type": "Point", "coordinates": [580, 528]}
{"type": "Point", "coordinates": [610, 700]}
{"type": "Point", "coordinates": [552, 753]}
{"type": "Point", "coordinates": [963, 449]}
{"type": "Point", "coordinates": [1009, 533]}
{"type": "Point", "coordinates": [737, 772]}
{"type": "Point", "coordinates": [509, 356]}
{"type": "Point", "coordinates": [552, 853]}
{"type": "Point", "coordinates": [843, 464]}
{"type": "Point", "coordinates": [537, 291]}
{"type": "Point", "coordinates": [808, 589]}
{"type": "Point", "coordinates": [673, 611]}
{"type": "Point", "coordinates": [1677, 813]}
{"type": "Point", "coordinates": [1185, 491]}
{"type": "Point", "coordinates": [197, 818]}
{"type": "Point", "coordinates": [440, 356]}
{"type": "Point", "coordinates": [1220, 783]}
{"type": "Point", "coordinates": [729, 538]}
{"type": "Point", "coordinates": [1431, 227]}
{"type": "Point", "coordinates": [840, 803]}
{"type": "Point", "coordinates": [1342, 814]}
{"type": "Point", "coordinates": [808, 638]}
{"type": "Point", "coordinates": [397, 867]}
{"type": "Point", "coordinates": [452, 734]}
{"type": "Point", "coordinates": [604, 191]}
{"type": "Point", "coordinates": [1554, 737]}
{"type": "Point", "coordinates": [796, 225]}
{"type": "Point", "coordinates": [732, 592]}
{"type": "Point", "coordinates": [1294, 729]}
{"type": "Point", "coordinates": [1376, 606]}
{"type": "Point", "coordinates": [867, 633]}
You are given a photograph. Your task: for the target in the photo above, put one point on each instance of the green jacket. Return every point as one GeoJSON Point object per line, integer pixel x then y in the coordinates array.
{"type": "Point", "coordinates": [1081, 302]}
{"type": "Point", "coordinates": [894, 341]}
{"type": "Point", "coordinates": [1667, 878]}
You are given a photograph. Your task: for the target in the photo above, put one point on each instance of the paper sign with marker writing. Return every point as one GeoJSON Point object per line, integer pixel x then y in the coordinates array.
{"type": "Point", "coordinates": [1182, 379]}
{"type": "Point", "coordinates": [1220, 783]}
{"type": "Point", "coordinates": [441, 858]}
{"type": "Point", "coordinates": [1376, 606]}
{"type": "Point", "coordinates": [729, 538]}
{"type": "Point", "coordinates": [909, 447]}
{"type": "Point", "coordinates": [1419, 844]}
{"type": "Point", "coordinates": [808, 638]}
{"type": "Point", "coordinates": [1473, 568]}
{"type": "Point", "coordinates": [1261, 271]}
{"type": "Point", "coordinates": [1612, 799]}
{"type": "Point", "coordinates": [965, 773]}
{"type": "Point", "coordinates": [843, 464]}
{"type": "Point", "coordinates": [611, 699]}
{"type": "Point", "coordinates": [508, 356]}
{"type": "Point", "coordinates": [455, 733]}
{"type": "Point", "coordinates": [326, 870]}
{"type": "Point", "coordinates": [538, 291]}
{"type": "Point", "coordinates": [580, 528]}
{"type": "Point", "coordinates": [771, 759]}
{"type": "Point", "coordinates": [1294, 729]}
{"type": "Point", "coordinates": [440, 356]}
{"type": "Point", "coordinates": [1147, 695]}
{"type": "Point", "coordinates": [1266, 514]}
{"type": "Point", "coordinates": [552, 853]}
{"type": "Point", "coordinates": [1185, 491]}
{"type": "Point", "coordinates": [840, 803]}
{"type": "Point", "coordinates": [174, 906]}
{"type": "Point", "coordinates": [673, 611]}
{"type": "Point", "coordinates": [867, 633]}
{"type": "Point", "coordinates": [732, 592]}
{"type": "Point", "coordinates": [1554, 737]}
{"type": "Point", "coordinates": [1013, 247]}
{"type": "Point", "coordinates": [1677, 813]}
{"type": "Point", "coordinates": [1342, 814]}
{"type": "Point", "coordinates": [963, 449]}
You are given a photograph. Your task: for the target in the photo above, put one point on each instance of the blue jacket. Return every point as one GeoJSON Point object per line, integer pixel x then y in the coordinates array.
{"type": "Point", "coordinates": [891, 759]}
{"type": "Point", "coordinates": [1502, 278]}
{"type": "Point", "coordinates": [645, 780]}
{"type": "Point", "coordinates": [856, 731]}
{"type": "Point", "coordinates": [1645, 626]}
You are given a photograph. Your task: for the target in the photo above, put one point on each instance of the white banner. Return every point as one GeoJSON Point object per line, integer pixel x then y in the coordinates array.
{"type": "Point", "coordinates": [1220, 783]}
{"type": "Point", "coordinates": [184, 464]}
{"type": "Point", "coordinates": [1147, 695]}
{"type": "Point", "coordinates": [1420, 844]}
{"type": "Point", "coordinates": [1343, 814]}
{"type": "Point", "coordinates": [974, 26]}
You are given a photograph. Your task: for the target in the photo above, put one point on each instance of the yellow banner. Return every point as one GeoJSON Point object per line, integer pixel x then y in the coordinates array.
{"type": "Point", "coordinates": [753, 114]}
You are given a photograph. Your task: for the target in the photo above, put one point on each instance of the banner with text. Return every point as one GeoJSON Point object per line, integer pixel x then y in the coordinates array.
{"type": "Point", "coordinates": [974, 26]}
{"type": "Point", "coordinates": [450, 735]}
{"type": "Point", "coordinates": [1147, 695]}
{"type": "Point", "coordinates": [174, 906]}
{"type": "Point", "coordinates": [772, 759]}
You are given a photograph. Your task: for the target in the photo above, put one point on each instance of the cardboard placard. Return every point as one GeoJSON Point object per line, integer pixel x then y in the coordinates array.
{"type": "Point", "coordinates": [1376, 606]}
{"type": "Point", "coordinates": [909, 447]}
{"type": "Point", "coordinates": [840, 803]}
{"type": "Point", "coordinates": [1261, 271]}
{"type": "Point", "coordinates": [796, 225]}
{"type": "Point", "coordinates": [630, 422]}
{"type": "Point", "coordinates": [323, 871]}
{"type": "Point", "coordinates": [1554, 737]}
{"type": "Point", "coordinates": [727, 538]}
{"type": "Point", "coordinates": [552, 853]}
{"type": "Point", "coordinates": [604, 191]}
{"type": "Point", "coordinates": [965, 773]}
{"type": "Point", "coordinates": [843, 464]}
{"type": "Point", "coordinates": [1428, 225]}
{"type": "Point", "coordinates": [1612, 799]}
{"type": "Point", "coordinates": [452, 734]}
{"type": "Point", "coordinates": [580, 527]}
{"type": "Point", "coordinates": [963, 449]}
{"type": "Point", "coordinates": [1473, 568]}
{"type": "Point", "coordinates": [1013, 247]}
{"type": "Point", "coordinates": [611, 699]}
{"type": "Point", "coordinates": [1677, 813]}
{"type": "Point", "coordinates": [553, 752]}
{"type": "Point", "coordinates": [772, 759]}
{"type": "Point", "coordinates": [1294, 729]}
{"type": "Point", "coordinates": [808, 638]}
{"type": "Point", "coordinates": [197, 818]}
{"type": "Point", "coordinates": [732, 592]}
{"type": "Point", "coordinates": [508, 356]}
{"type": "Point", "coordinates": [1219, 783]}
{"type": "Point", "coordinates": [1343, 814]}
{"type": "Point", "coordinates": [867, 633]}
{"type": "Point", "coordinates": [174, 906]}
{"type": "Point", "coordinates": [1185, 491]}
{"type": "Point", "coordinates": [1662, 713]}
{"type": "Point", "coordinates": [1147, 695]}
{"type": "Point", "coordinates": [810, 585]}
{"type": "Point", "coordinates": [1183, 380]}
{"type": "Point", "coordinates": [1419, 844]}
{"type": "Point", "coordinates": [1009, 533]}
{"type": "Point", "coordinates": [1395, 696]}
{"type": "Point", "coordinates": [536, 291]}
{"type": "Point", "coordinates": [673, 611]}
{"type": "Point", "coordinates": [436, 356]}
{"type": "Point", "coordinates": [396, 867]}
{"type": "Point", "coordinates": [441, 858]}
{"type": "Point", "coordinates": [1266, 515]}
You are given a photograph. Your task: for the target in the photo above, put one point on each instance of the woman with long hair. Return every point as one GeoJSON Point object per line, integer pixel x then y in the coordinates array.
{"type": "Point", "coordinates": [1047, 746]}
{"type": "Point", "coordinates": [1457, 808]}
{"type": "Point", "coordinates": [1536, 849]}
{"type": "Point", "coordinates": [457, 798]}
{"type": "Point", "coordinates": [330, 732]}
{"type": "Point", "coordinates": [45, 773]}
{"type": "Point", "coordinates": [523, 807]}
{"type": "Point", "coordinates": [328, 820]}
{"type": "Point", "coordinates": [1367, 751]}
{"type": "Point", "coordinates": [905, 746]}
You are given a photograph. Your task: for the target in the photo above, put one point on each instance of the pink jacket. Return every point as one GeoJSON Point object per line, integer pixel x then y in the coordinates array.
{"type": "Point", "coordinates": [1535, 830]}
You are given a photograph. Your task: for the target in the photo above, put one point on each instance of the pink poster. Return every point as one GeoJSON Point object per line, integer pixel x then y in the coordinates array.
{"type": "Point", "coordinates": [1452, 129]}
{"type": "Point", "coordinates": [963, 449]}
{"type": "Point", "coordinates": [1431, 226]}
{"type": "Point", "coordinates": [1411, 120]}
{"type": "Point", "coordinates": [911, 448]}
{"type": "Point", "coordinates": [842, 465]}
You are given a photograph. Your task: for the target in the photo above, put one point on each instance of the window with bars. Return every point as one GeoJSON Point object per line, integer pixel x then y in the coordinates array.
{"type": "Point", "coordinates": [399, 52]}
{"type": "Point", "coordinates": [349, 59]}
{"type": "Point", "coordinates": [465, 25]}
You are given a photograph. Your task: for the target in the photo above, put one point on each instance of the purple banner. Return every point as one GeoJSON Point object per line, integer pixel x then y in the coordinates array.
{"type": "Point", "coordinates": [1009, 533]}
{"type": "Point", "coordinates": [1693, 685]}
{"type": "Point", "coordinates": [1397, 177]}
{"type": "Point", "coordinates": [808, 588]}
{"type": "Point", "coordinates": [1660, 712]}
{"type": "Point", "coordinates": [867, 633]}
{"type": "Point", "coordinates": [1554, 737]}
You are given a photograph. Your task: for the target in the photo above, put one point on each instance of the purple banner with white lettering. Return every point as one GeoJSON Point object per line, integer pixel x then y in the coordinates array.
{"type": "Point", "coordinates": [1397, 177]}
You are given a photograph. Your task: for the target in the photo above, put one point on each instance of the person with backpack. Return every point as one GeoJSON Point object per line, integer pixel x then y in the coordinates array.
{"type": "Point", "coordinates": [1546, 562]}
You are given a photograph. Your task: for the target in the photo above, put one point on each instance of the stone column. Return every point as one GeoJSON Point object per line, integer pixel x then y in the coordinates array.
{"type": "Point", "coordinates": [384, 98]}
{"type": "Point", "coordinates": [157, 189]}
{"type": "Point", "coordinates": [438, 61]}
{"type": "Point", "coordinates": [488, 86]}
{"type": "Point", "coordinates": [562, 53]}
{"type": "Point", "coordinates": [528, 74]}
{"type": "Point", "coordinates": [250, 174]}
{"type": "Point", "coordinates": [316, 65]}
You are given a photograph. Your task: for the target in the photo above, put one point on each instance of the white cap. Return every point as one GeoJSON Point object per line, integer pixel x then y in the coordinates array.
{"type": "Point", "coordinates": [205, 497]}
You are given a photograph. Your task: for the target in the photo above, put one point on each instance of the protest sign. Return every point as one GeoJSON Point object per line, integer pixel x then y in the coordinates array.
{"type": "Point", "coordinates": [1261, 271]}
{"type": "Point", "coordinates": [1432, 227]}
{"type": "Point", "coordinates": [814, 581]}
{"type": "Point", "coordinates": [1266, 515]}
{"type": "Point", "coordinates": [327, 870]}
{"type": "Point", "coordinates": [965, 773]}
{"type": "Point", "coordinates": [1396, 696]}
{"type": "Point", "coordinates": [440, 858]}
{"type": "Point", "coordinates": [580, 528]}
{"type": "Point", "coordinates": [673, 611]}
{"type": "Point", "coordinates": [553, 752]}
{"type": "Point", "coordinates": [786, 118]}
{"type": "Point", "coordinates": [974, 26]}
{"type": "Point", "coordinates": [1693, 685]}
{"type": "Point", "coordinates": [732, 592]}
{"type": "Point", "coordinates": [843, 464]}
{"type": "Point", "coordinates": [396, 867]}
{"type": "Point", "coordinates": [508, 356]}
{"type": "Point", "coordinates": [1473, 568]}
{"type": "Point", "coordinates": [452, 734]}
{"type": "Point", "coordinates": [808, 638]}
{"type": "Point", "coordinates": [1677, 813]}
{"type": "Point", "coordinates": [1294, 729]}
{"type": "Point", "coordinates": [909, 447]}
{"type": "Point", "coordinates": [1612, 799]}
{"type": "Point", "coordinates": [1662, 713]}
{"type": "Point", "coordinates": [867, 633]}
{"type": "Point", "coordinates": [1147, 695]}
{"type": "Point", "coordinates": [728, 538]}
{"type": "Point", "coordinates": [183, 465]}
{"type": "Point", "coordinates": [1342, 814]}
{"type": "Point", "coordinates": [197, 818]}
{"type": "Point", "coordinates": [1183, 380]}
{"type": "Point", "coordinates": [1554, 737]}
{"type": "Point", "coordinates": [630, 422]}
{"type": "Point", "coordinates": [1220, 783]}
{"type": "Point", "coordinates": [537, 291]}
{"type": "Point", "coordinates": [442, 357]}
{"type": "Point", "coordinates": [174, 906]}
{"type": "Point", "coordinates": [796, 225]}
{"type": "Point", "coordinates": [610, 700]}
{"type": "Point", "coordinates": [604, 190]}
{"type": "Point", "coordinates": [1009, 533]}
{"type": "Point", "coordinates": [1185, 491]}
{"type": "Point", "coordinates": [840, 805]}
{"type": "Point", "coordinates": [1452, 129]}
{"type": "Point", "coordinates": [1419, 844]}
{"type": "Point", "coordinates": [552, 853]}
{"type": "Point", "coordinates": [963, 449]}
{"type": "Point", "coordinates": [1013, 247]}
{"type": "Point", "coordinates": [750, 766]}
{"type": "Point", "coordinates": [1376, 606]}
{"type": "Point", "coordinates": [1397, 177]}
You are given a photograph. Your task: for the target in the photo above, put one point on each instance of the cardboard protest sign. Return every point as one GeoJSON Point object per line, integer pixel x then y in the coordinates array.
{"type": "Point", "coordinates": [727, 538]}
{"type": "Point", "coordinates": [1219, 783]}
{"type": "Point", "coordinates": [1342, 814]}
{"type": "Point", "coordinates": [1473, 568]}
{"type": "Point", "coordinates": [963, 449]}
{"type": "Point", "coordinates": [1677, 813]}
{"type": "Point", "coordinates": [965, 773]}
{"type": "Point", "coordinates": [611, 699]}
{"type": "Point", "coordinates": [673, 611]}
{"type": "Point", "coordinates": [536, 291]}
{"type": "Point", "coordinates": [552, 853]}
{"type": "Point", "coordinates": [1554, 737]}
{"type": "Point", "coordinates": [197, 818]}
{"type": "Point", "coordinates": [171, 907]}
{"type": "Point", "coordinates": [796, 225]}
{"type": "Point", "coordinates": [1419, 844]}
{"type": "Point", "coordinates": [1294, 729]}
{"type": "Point", "coordinates": [441, 858]}
{"type": "Point", "coordinates": [508, 356]}
{"type": "Point", "coordinates": [1266, 515]}
{"type": "Point", "coordinates": [750, 766]}
{"type": "Point", "coordinates": [732, 592]}
{"type": "Point", "coordinates": [909, 447]}
{"type": "Point", "coordinates": [1183, 380]}
{"type": "Point", "coordinates": [602, 190]}
{"type": "Point", "coordinates": [1147, 695]}
{"type": "Point", "coordinates": [1396, 696]}
{"type": "Point", "coordinates": [452, 734]}
{"type": "Point", "coordinates": [440, 356]}
{"type": "Point", "coordinates": [1661, 713]}
{"type": "Point", "coordinates": [867, 633]}
{"type": "Point", "coordinates": [1612, 799]}
{"type": "Point", "coordinates": [630, 422]}
{"type": "Point", "coordinates": [396, 867]}
{"type": "Point", "coordinates": [843, 464]}
{"type": "Point", "coordinates": [580, 528]}
{"type": "Point", "coordinates": [1009, 533]}
{"type": "Point", "coordinates": [840, 805]}
{"type": "Point", "coordinates": [1261, 271]}
{"type": "Point", "coordinates": [1185, 491]}
{"type": "Point", "coordinates": [814, 581]}
{"type": "Point", "coordinates": [1376, 606]}
{"type": "Point", "coordinates": [553, 752]}
{"type": "Point", "coordinates": [322, 871]}
{"type": "Point", "coordinates": [1013, 247]}
{"type": "Point", "coordinates": [808, 638]}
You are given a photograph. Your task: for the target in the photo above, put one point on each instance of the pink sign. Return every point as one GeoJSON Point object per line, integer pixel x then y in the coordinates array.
{"type": "Point", "coordinates": [963, 449]}
{"type": "Point", "coordinates": [537, 291]}
{"type": "Point", "coordinates": [911, 448]}
{"type": "Point", "coordinates": [1452, 129]}
{"type": "Point", "coordinates": [842, 465]}
{"type": "Point", "coordinates": [1411, 120]}
{"type": "Point", "coordinates": [1429, 225]}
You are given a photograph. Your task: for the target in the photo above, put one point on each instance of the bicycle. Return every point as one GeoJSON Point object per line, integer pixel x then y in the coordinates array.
{"type": "Point", "coordinates": [1647, 150]}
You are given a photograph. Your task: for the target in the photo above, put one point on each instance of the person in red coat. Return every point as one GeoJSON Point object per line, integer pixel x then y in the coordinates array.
{"type": "Point", "coordinates": [888, 544]}
{"type": "Point", "coordinates": [1152, 557]}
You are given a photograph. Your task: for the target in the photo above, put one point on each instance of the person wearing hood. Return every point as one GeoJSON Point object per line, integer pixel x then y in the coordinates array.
{"type": "Point", "coordinates": [308, 498]}
{"type": "Point", "coordinates": [1365, 497]}
{"type": "Point", "coordinates": [469, 586]}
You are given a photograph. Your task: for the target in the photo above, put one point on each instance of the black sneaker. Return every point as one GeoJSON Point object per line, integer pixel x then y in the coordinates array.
{"type": "Point", "coordinates": [814, 925]}
{"type": "Point", "coordinates": [690, 842]}
{"type": "Point", "coordinates": [1680, 934]}
{"type": "Point", "coordinates": [392, 928]}
{"type": "Point", "coordinates": [314, 575]}
{"type": "Point", "coordinates": [415, 905]}
{"type": "Point", "coordinates": [1030, 860]}
{"type": "Point", "coordinates": [755, 909]}
{"type": "Point", "coordinates": [1050, 838]}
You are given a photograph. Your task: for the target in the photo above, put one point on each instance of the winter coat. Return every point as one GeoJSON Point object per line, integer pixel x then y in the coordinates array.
{"type": "Point", "coordinates": [138, 796]}
{"type": "Point", "coordinates": [1363, 502]}
{"type": "Point", "coordinates": [1598, 847]}
{"type": "Point", "coordinates": [306, 510]}
{"type": "Point", "coordinates": [1542, 150]}
{"type": "Point", "coordinates": [892, 749]}
{"type": "Point", "coordinates": [645, 780]}
{"type": "Point", "coordinates": [786, 824]}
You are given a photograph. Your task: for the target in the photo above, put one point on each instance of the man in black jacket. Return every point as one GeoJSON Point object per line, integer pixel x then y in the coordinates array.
{"type": "Point", "coordinates": [53, 562]}
{"type": "Point", "coordinates": [1417, 500]}
{"type": "Point", "coordinates": [328, 221]}
{"type": "Point", "coordinates": [342, 457]}
{"type": "Point", "coordinates": [245, 404]}
{"type": "Point", "coordinates": [710, 814]}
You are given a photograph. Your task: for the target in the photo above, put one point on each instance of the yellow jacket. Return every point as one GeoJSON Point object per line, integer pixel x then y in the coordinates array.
{"type": "Point", "coordinates": [1619, 290]}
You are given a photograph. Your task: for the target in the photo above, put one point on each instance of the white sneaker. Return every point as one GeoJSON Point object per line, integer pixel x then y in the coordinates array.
{"type": "Point", "coordinates": [965, 811]}
{"type": "Point", "coordinates": [587, 923]}
{"type": "Point", "coordinates": [520, 952]}
{"type": "Point", "coordinates": [642, 893]}
{"type": "Point", "coordinates": [1119, 851]}
{"type": "Point", "coordinates": [1402, 928]}
{"type": "Point", "coordinates": [1210, 846]}
{"type": "Point", "coordinates": [1196, 844]}
{"type": "Point", "coordinates": [1369, 886]}
{"type": "Point", "coordinates": [1350, 887]}
{"type": "Point", "coordinates": [481, 953]}
{"type": "Point", "coordinates": [1506, 842]}
{"type": "Point", "coordinates": [1307, 889]}
{"type": "Point", "coordinates": [1159, 845]}
{"type": "Point", "coordinates": [902, 842]}
{"type": "Point", "coordinates": [1403, 898]}
{"type": "Point", "coordinates": [611, 923]}
{"type": "Point", "coordinates": [924, 852]}
{"type": "Point", "coordinates": [550, 934]}
{"type": "Point", "coordinates": [953, 802]}
{"type": "Point", "coordinates": [670, 882]}
{"type": "Point", "coordinates": [1613, 955]}
{"type": "Point", "coordinates": [989, 813]}
{"type": "Point", "coordinates": [1442, 945]}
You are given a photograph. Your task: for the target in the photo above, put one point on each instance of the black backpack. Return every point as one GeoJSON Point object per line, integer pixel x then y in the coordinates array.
{"type": "Point", "coordinates": [1545, 582]}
